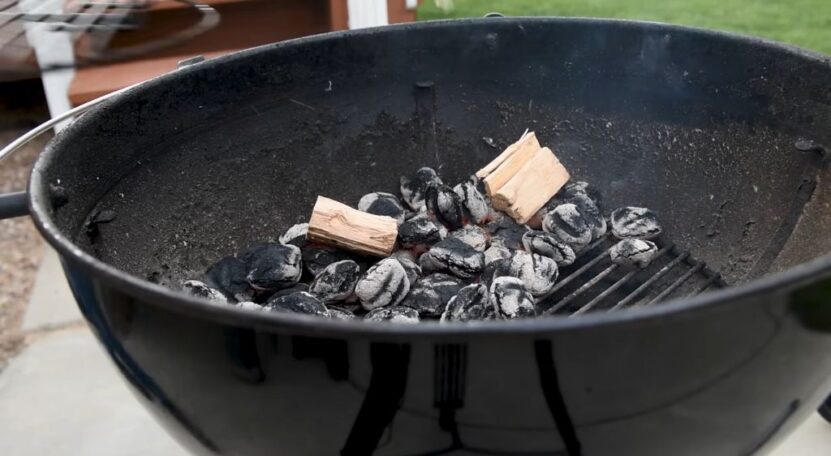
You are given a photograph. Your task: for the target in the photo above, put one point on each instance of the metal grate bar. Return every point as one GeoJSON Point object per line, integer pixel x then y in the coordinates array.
{"type": "Point", "coordinates": [713, 279]}
{"type": "Point", "coordinates": [622, 281]}
{"type": "Point", "coordinates": [631, 296]}
{"type": "Point", "coordinates": [678, 282]}
{"type": "Point", "coordinates": [580, 271]}
{"type": "Point", "coordinates": [581, 290]}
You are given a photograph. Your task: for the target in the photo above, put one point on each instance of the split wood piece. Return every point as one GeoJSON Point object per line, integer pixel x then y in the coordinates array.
{"type": "Point", "coordinates": [534, 183]}
{"type": "Point", "coordinates": [336, 224]}
{"type": "Point", "coordinates": [528, 140]}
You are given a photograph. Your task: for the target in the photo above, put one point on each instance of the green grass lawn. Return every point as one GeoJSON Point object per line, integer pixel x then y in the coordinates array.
{"type": "Point", "coordinates": [806, 23]}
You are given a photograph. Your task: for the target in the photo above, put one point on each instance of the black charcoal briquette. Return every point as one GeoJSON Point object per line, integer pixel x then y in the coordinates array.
{"type": "Point", "coordinates": [337, 313]}
{"type": "Point", "coordinates": [413, 188]}
{"type": "Point", "coordinates": [446, 206]}
{"type": "Point", "coordinates": [635, 222]}
{"type": "Point", "coordinates": [315, 259]}
{"type": "Point", "coordinates": [336, 282]}
{"type": "Point", "coordinates": [407, 260]}
{"type": "Point", "coordinates": [454, 256]}
{"type": "Point", "coordinates": [568, 224]}
{"type": "Point", "coordinates": [497, 251]}
{"type": "Point", "coordinates": [587, 200]}
{"type": "Point", "coordinates": [380, 203]}
{"type": "Point", "coordinates": [272, 266]}
{"type": "Point", "coordinates": [295, 235]}
{"type": "Point", "coordinates": [509, 296]}
{"type": "Point", "coordinates": [420, 232]}
{"type": "Point", "coordinates": [548, 245]}
{"type": "Point", "coordinates": [228, 275]}
{"type": "Point", "coordinates": [633, 252]}
{"type": "Point", "coordinates": [395, 314]}
{"type": "Point", "coordinates": [248, 305]}
{"type": "Point", "coordinates": [474, 200]}
{"type": "Point", "coordinates": [537, 272]}
{"type": "Point", "coordinates": [430, 294]}
{"type": "Point", "coordinates": [506, 232]}
{"type": "Point", "coordinates": [292, 289]}
{"type": "Point", "coordinates": [298, 302]}
{"type": "Point", "coordinates": [202, 290]}
{"type": "Point", "coordinates": [384, 284]}
{"type": "Point", "coordinates": [470, 303]}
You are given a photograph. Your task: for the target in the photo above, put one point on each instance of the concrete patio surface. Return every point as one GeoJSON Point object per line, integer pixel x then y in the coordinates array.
{"type": "Point", "coordinates": [62, 396]}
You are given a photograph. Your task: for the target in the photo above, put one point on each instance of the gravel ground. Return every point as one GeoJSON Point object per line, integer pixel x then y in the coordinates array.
{"type": "Point", "coordinates": [21, 108]}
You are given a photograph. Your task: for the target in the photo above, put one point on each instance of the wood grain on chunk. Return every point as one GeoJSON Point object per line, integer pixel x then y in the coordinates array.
{"type": "Point", "coordinates": [531, 186]}
{"type": "Point", "coordinates": [527, 140]}
{"type": "Point", "coordinates": [524, 150]}
{"type": "Point", "coordinates": [339, 225]}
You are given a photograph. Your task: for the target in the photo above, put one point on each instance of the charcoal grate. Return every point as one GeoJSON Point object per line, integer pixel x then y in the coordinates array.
{"type": "Point", "coordinates": [595, 284]}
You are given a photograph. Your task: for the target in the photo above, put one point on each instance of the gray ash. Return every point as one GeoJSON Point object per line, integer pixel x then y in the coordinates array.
{"type": "Point", "coordinates": [298, 302]}
{"type": "Point", "coordinates": [407, 260]}
{"type": "Point", "coordinates": [272, 266]}
{"type": "Point", "coordinates": [473, 198]}
{"type": "Point", "coordinates": [548, 245]}
{"type": "Point", "coordinates": [496, 252]}
{"type": "Point", "coordinates": [568, 224]}
{"type": "Point", "coordinates": [635, 222]}
{"type": "Point", "coordinates": [470, 303]}
{"type": "Point", "coordinates": [414, 188]}
{"type": "Point", "coordinates": [506, 232]}
{"type": "Point", "coordinates": [295, 235]}
{"type": "Point", "coordinates": [250, 306]}
{"type": "Point", "coordinates": [202, 290]}
{"type": "Point", "coordinates": [430, 294]}
{"type": "Point", "coordinates": [337, 313]}
{"type": "Point", "coordinates": [420, 232]}
{"type": "Point", "coordinates": [633, 252]}
{"type": "Point", "coordinates": [384, 284]}
{"type": "Point", "coordinates": [537, 273]}
{"type": "Point", "coordinates": [472, 235]}
{"type": "Point", "coordinates": [297, 287]}
{"type": "Point", "coordinates": [509, 296]}
{"type": "Point", "coordinates": [444, 205]}
{"type": "Point", "coordinates": [229, 276]}
{"type": "Point", "coordinates": [454, 256]}
{"type": "Point", "coordinates": [336, 282]}
{"type": "Point", "coordinates": [394, 314]}
{"type": "Point", "coordinates": [316, 259]}
{"type": "Point", "coordinates": [381, 203]}
{"type": "Point", "coordinates": [587, 200]}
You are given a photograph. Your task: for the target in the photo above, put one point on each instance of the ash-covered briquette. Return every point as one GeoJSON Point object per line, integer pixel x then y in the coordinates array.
{"type": "Point", "coordinates": [454, 256]}
{"type": "Point", "coordinates": [537, 272]}
{"type": "Point", "coordinates": [633, 252]}
{"type": "Point", "coordinates": [420, 232]}
{"type": "Point", "coordinates": [202, 290]}
{"type": "Point", "coordinates": [446, 206]}
{"type": "Point", "coordinates": [394, 314]}
{"type": "Point", "coordinates": [496, 252]}
{"type": "Point", "coordinates": [413, 188]}
{"type": "Point", "coordinates": [470, 303]}
{"type": "Point", "coordinates": [472, 235]}
{"type": "Point", "coordinates": [474, 199]}
{"type": "Point", "coordinates": [298, 302]}
{"type": "Point", "coordinates": [336, 282]}
{"type": "Point", "coordinates": [384, 284]}
{"type": "Point", "coordinates": [635, 222]}
{"type": "Point", "coordinates": [587, 200]}
{"type": "Point", "coordinates": [297, 287]}
{"type": "Point", "coordinates": [407, 260]}
{"type": "Point", "coordinates": [248, 305]}
{"type": "Point", "coordinates": [430, 294]}
{"type": "Point", "coordinates": [315, 259]}
{"type": "Point", "coordinates": [228, 275]}
{"type": "Point", "coordinates": [568, 224]}
{"type": "Point", "coordinates": [507, 232]}
{"type": "Point", "coordinates": [337, 313]}
{"type": "Point", "coordinates": [296, 235]}
{"type": "Point", "coordinates": [272, 266]}
{"type": "Point", "coordinates": [548, 245]}
{"type": "Point", "coordinates": [509, 296]}
{"type": "Point", "coordinates": [381, 203]}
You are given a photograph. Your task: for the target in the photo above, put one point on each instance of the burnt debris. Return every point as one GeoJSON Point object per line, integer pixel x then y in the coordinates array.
{"type": "Point", "coordinates": [635, 222]}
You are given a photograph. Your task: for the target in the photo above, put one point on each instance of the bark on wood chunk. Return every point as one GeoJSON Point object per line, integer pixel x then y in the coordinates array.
{"type": "Point", "coordinates": [539, 178]}
{"type": "Point", "coordinates": [526, 141]}
{"type": "Point", "coordinates": [524, 150]}
{"type": "Point", "coordinates": [339, 225]}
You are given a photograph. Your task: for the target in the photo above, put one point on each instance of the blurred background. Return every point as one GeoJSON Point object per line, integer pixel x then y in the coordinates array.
{"type": "Point", "coordinates": [56, 54]}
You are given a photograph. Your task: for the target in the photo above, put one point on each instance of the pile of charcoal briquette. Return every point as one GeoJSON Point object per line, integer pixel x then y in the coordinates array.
{"type": "Point", "coordinates": [457, 258]}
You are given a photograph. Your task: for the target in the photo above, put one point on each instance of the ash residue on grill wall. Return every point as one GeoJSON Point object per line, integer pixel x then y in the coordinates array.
{"type": "Point", "coordinates": [209, 192]}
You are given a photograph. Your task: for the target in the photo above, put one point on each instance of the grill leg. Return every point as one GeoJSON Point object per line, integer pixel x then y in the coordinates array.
{"type": "Point", "coordinates": [825, 409]}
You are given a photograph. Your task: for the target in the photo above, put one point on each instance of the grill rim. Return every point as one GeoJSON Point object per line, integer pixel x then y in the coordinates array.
{"type": "Point", "coordinates": [781, 282]}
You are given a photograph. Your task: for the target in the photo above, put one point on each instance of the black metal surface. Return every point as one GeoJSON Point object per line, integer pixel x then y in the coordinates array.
{"type": "Point", "coordinates": [14, 205]}
{"type": "Point", "coordinates": [699, 126]}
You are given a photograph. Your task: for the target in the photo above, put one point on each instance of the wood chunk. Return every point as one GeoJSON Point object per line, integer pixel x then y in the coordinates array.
{"type": "Point", "coordinates": [526, 148]}
{"type": "Point", "coordinates": [527, 140]}
{"type": "Point", "coordinates": [336, 224]}
{"type": "Point", "coordinates": [531, 187]}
